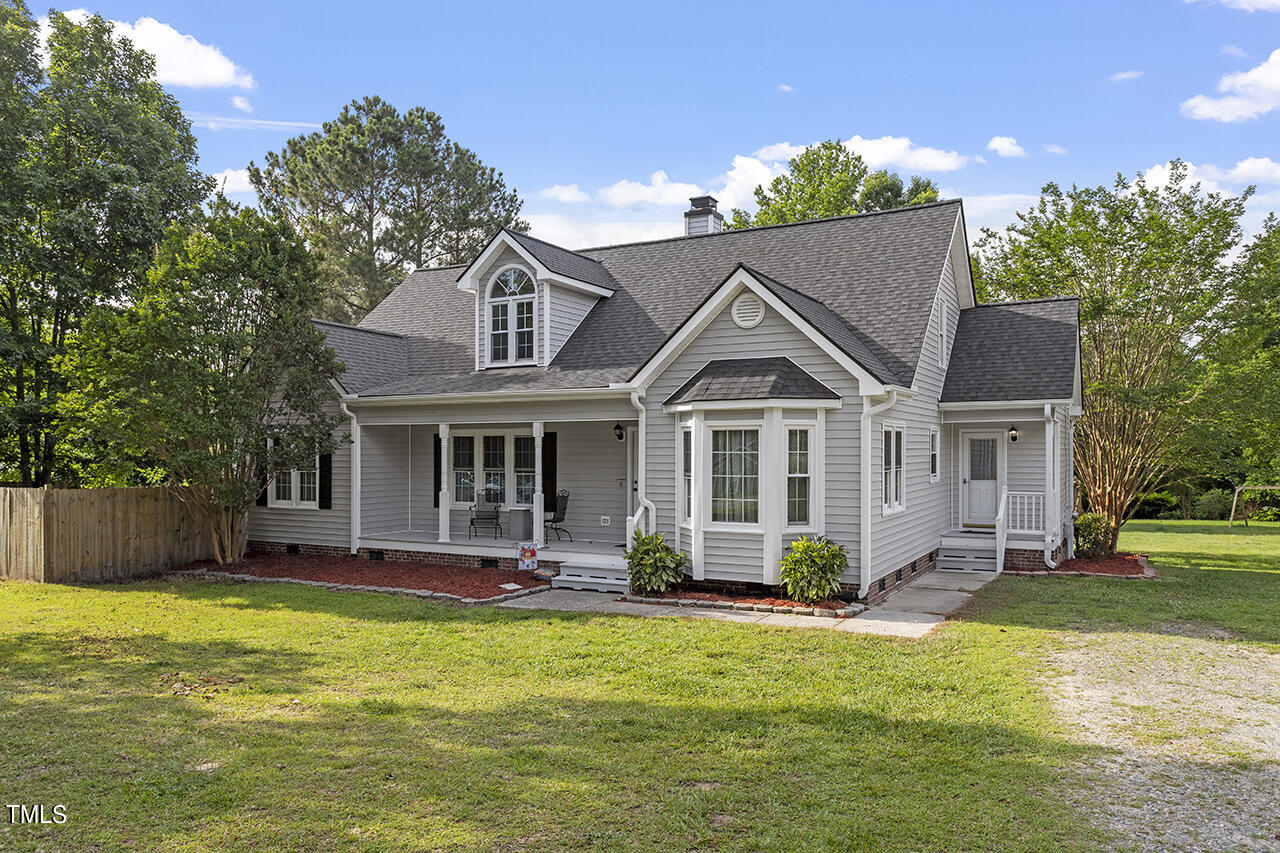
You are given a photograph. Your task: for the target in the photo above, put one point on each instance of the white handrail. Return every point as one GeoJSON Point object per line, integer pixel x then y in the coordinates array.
{"type": "Point", "coordinates": [1002, 532]}
{"type": "Point", "coordinates": [1026, 512]}
{"type": "Point", "coordinates": [635, 522]}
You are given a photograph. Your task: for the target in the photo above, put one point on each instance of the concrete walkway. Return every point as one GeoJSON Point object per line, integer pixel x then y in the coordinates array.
{"type": "Point", "coordinates": [912, 612]}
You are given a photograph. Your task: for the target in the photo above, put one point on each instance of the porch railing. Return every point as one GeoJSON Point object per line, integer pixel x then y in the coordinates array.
{"type": "Point", "coordinates": [1025, 511]}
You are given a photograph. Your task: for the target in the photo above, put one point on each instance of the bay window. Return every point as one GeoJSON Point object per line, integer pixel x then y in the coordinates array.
{"type": "Point", "coordinates": [735, 476]}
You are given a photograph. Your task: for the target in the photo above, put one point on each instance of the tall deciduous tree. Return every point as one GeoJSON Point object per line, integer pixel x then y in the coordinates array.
{"type": "Point", "coordinates": [98, 161]}
{"type": "Point", "coordinates": [377, 192]}
{"type": "Point", "coordinates": [827, 180]}
{"type": "Point", "coordinates": [215, 373]}
{"type": "Point", "coordinates": [1151, 265]}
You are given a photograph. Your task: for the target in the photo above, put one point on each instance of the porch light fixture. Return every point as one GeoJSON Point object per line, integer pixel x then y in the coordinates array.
{"type": "Point", "coordinates": [618, 432]}
{"type": "Point", "coordinates": [1013, 435]}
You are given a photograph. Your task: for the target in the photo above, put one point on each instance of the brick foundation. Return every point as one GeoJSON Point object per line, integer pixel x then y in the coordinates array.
{"type": "Point", "coordinates": [394, 555]}
{"type": "Point", "coordinates": [1031, 560]}
{"type": "Point", "coordinates": [882, 587]}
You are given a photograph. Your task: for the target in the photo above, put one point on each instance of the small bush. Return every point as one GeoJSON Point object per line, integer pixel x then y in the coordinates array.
{"type": "Point", "coordinates": [1156, 505]}
{"type": "Point", "coordinates": [654, 566]}
{"type": "Point", "coordinates": [811, 570]}
{"type": "Point", "coordinates": [1213, 505]}
{"type": "Point", "coordinates": [1265, 513]}
{"type": "Point", "coordinates": [1093, 536]}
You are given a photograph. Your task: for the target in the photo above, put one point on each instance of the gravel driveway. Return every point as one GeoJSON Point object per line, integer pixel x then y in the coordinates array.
{"type": "Point", "coordinates": [1192, 727]}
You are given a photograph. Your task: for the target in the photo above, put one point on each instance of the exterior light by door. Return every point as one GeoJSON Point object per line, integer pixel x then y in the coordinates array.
{"type": "Point", "coordinates": [1013, 435]}
{"type": "Point", "coordinates": [618, 432]}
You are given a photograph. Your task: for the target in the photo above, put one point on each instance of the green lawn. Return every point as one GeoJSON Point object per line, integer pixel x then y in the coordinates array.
{"type": "Point", "coordinates": [367, 722]}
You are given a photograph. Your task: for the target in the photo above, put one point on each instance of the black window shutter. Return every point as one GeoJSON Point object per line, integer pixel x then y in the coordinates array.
{"type": "Point", "coordinates": [326, 481]}
{"type": "Point", "coordinates": [549, 471]}
{"type": "Point", "coordinates": [435, 470]}
{"type": "Point", "coordinates": [262, 479]}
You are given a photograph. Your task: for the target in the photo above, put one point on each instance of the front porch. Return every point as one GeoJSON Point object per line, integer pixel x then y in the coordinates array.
{"type": "Point", "coordinates": [605, 553]}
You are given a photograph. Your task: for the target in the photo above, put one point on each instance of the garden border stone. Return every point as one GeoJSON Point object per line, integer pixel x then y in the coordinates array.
{"type": "Point", "coordinates": [843, 613]}
{"type": "Point", "coordinates": [447, 597]}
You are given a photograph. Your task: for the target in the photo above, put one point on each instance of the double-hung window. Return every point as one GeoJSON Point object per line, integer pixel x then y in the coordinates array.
{"type": "Point", "coordinates": [735, 476]}
{"type": "Point", "coordinates": [799, 477]}
{"type": "Point", "coordinates": [511, 322]}
{"type": "Point", "coordinates": [299, 488]}
{"type": "Point", "coordinates": [504, 464]}
{"type": "Point", "coordinates": [525, 468]}
{"type": "Point", "coordinates": [464, 468]}
{"type": "Point", "coordinates": [495, 465]}
{"type": "Point", "coordinates": [686, 452]}
{"type": "Point", "coordinates": [894, 485]}
{"type": "Point", "coordinates": [934, 470]}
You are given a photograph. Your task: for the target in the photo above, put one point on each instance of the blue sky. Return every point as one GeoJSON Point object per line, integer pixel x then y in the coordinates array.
{"type": "Point", "coordinates": [605, 117]}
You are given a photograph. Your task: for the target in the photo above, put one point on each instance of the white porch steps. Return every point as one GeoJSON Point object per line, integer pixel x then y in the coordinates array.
{"type": "Point", "coordinates": [590, 575]}
{"type": "Point", "coordinates": [968, 551]}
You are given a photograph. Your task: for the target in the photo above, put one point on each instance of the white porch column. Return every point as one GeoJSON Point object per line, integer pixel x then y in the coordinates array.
{"type": "Point", "coordinates": [355, 481]}
{"type": "Point", "coordinates": [539, 509]}
{"type": "Point", "coordinates": [701, 486]}
{"type": "Point", "coordinates": [1050, 490]}
{"type": "Point", "coordinates": [773, 475]}
{"type": "Point", "coordinates": [446, 480]}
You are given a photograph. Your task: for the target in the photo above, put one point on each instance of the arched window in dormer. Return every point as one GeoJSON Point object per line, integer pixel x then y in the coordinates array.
{"type": "Point", "coordinates": [511, 324]}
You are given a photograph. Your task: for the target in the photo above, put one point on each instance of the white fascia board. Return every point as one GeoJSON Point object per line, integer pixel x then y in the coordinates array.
{"type": "Point", "coordinates": [1001, 404]}
{"type": "Point", "coordinates": [961, 271]}
{"type": "Point", "coordinates": [468, 280]}
{"type": "Point", "coordinates": [490, 397]}
{"type": "Point", "coordinates": [575, 284]}
{"type": "Point", "coordinates": [694, 325]}
{"type": "Point", "coordinates": [762, 403]}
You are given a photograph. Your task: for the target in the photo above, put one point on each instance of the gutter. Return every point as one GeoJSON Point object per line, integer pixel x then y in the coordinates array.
{"type": "Point", "coordinates": [864, 527]}
{"type": "Point", "coordinates": [1050, 438]}
{"type": "Point", "coordinates": [641, 495]}
{"type": "Point", "coordinates": [355, 477]}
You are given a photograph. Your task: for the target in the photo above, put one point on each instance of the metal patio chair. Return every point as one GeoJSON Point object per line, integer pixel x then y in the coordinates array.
{"type": "Point", "coordinates": [485, 513]}
{"type": "Point", "coordinates": [553, 522]}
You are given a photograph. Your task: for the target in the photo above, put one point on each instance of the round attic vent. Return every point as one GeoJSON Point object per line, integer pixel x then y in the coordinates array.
{"type": "Point", "coordinates": [747, 311]}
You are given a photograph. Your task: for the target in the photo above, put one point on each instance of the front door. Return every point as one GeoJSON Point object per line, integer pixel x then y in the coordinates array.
{"type": "Point", "coordinates": [633, 471]}
{"type": "Point", "coordinates": [979, 478]}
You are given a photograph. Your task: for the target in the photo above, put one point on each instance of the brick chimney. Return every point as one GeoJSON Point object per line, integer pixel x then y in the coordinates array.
{"type": "Point", "coordinates": [702, 217]}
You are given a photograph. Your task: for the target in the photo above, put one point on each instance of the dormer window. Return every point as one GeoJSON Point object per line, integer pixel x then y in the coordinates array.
{"type": "Point", "coordinates": [511, 323]}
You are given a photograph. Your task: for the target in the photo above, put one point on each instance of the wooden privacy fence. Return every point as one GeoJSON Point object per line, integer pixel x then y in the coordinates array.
{"type": "Point", "coordinates": [73, 535]}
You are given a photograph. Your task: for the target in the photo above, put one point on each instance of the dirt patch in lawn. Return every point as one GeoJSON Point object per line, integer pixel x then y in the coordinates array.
{"type": "Point", "coordinates": [1127, 565]}
{"type": "Point", "coordinates": [1192, 729]}
{"type": "Point", "coordinates": [465, 582]}
{"type": "Point", "coordinates": [830, 604]}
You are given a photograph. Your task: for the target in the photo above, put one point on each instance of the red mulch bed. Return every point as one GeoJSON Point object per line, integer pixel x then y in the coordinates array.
{"type": "Point", "coordinates": [749, 599]}
{"type": "Point", "coordinates": [466, 582]}
{"type": "Point", "coordinates": [1117, 564]}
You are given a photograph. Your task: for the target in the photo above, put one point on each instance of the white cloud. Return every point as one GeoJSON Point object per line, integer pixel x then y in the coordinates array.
{"type": "Point", "coordinates": [900, 151]}
{"type": "Point", "coordinates": [1157, 177]}
{"type": "Point", "coordinates": [181, 59]}
{"type": "Point", "coordinates": [1123, 76]}
{"type": "Point", "coordinates": [1255, 170]}
{"type": "Point", "coordinates": [233, 181]}
{"type": "Point", "coordinates": [1051, 148]}
{"type": "Point", "coordinates": [736, 187]}
{"type": "Point", "coordinates": [1243, 94]}
{"type": "Point", "coordinates": [564, 192]}
{"type": "Point", "coordinates": [1233, 50]}
{"type": "Point", "coordinates": [659, 190]}
{"type": "Point", "coordinates": [583, 232]}
{"type": "Point", "coordinates": [784, 88]}
{"type": "Point", "coordinates": [1249, 5]}
{"type": "Point", "coordinates": [1006, 146]}
{"type": "Point", "coordinates": [241, 103]}
{"type": "Point", "coordinates": [212, 122]}
{"type": "Point", "coordinates": [779, 151]}
{"type": "Point", "coordinates": [978, 158]}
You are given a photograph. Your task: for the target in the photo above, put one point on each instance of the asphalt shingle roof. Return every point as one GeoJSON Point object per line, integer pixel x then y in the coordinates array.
{"type": "Point", "coordinates": [1014, 351]}
{"type": "Point", "coordinates": [751, 379]}
{"type": "Point", "coordinates": [565, 262]}
{"type": "Point", "coordinates": [867, 282]}
{"type": "Point", "coordinates": [370, 357]}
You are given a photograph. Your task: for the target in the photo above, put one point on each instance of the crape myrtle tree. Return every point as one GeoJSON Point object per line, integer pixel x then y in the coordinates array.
{"type": "Point", "coordinates": [214, 373]}
{"type": "Point", "coordinates": [96, 160]}
{"type": "Point", "coordinates": [377, 193]}
{"type": "Point", "coordinates": [828, 180]}
{"type": "Point", "coordinates": [1152, 267]}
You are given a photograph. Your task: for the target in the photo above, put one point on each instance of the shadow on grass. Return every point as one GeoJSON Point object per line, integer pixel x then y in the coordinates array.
{"type": "Point", "coordinates": [91, 724]}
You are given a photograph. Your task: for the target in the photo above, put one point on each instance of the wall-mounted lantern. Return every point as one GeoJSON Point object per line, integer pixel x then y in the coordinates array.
{"type": "Point", "coordinates": [618, 432]}
{"type": "Point", "coordinates": [1013, 435]}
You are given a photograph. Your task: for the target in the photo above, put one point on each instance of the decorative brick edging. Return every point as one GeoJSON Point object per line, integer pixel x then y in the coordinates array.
{"type": "Point", "coordinates": [851, 610]}
{"type": "Point", "coordinates": [1148, 573]}
{"type": "Point", "coordinates": [391, 590]}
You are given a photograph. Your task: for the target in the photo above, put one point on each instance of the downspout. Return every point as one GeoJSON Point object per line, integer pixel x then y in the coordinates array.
{"type": "Point", "coordinates": [641, 495]}
{"type": "Point", "coordinates": [864, 527]}
{"type": "Point", "coordinates": [355, 478]}
{"type": "Point", "coordinates": [1051, 499]}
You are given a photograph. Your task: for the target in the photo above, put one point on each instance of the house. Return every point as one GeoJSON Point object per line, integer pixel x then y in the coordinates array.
{"type": "Point", "coordinates": [733, 390]}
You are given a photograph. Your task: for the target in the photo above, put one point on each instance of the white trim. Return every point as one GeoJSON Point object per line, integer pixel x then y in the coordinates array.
{"type": "Point", "coordinates": [494, 397]}
{"type": "Point", "coordinates": [712, 307]}
{"type": "Point", "coordinates": [355, 479]}
{"type": "Point", "coordinates": [772, 500]}
{"type": "Point", "coordinates": [511, 302]}
{"type": "Point", "coordinates": [767, 403]}
{"type": "Point", "coordinates": [817, 472]}
{"type": "Point", "coordinates": [888, 508]}
{"type": "Point", "coordinates": [1002, 466]}
{"type": "Point", "coordinates": [710, 525]}
{"type": "Point", "coordinates": [699, 512]}
{"type": "Point", "coordinates": [935, 454]}
{"type": "Point", "coordinates": [295, 488]}
{"type": "Point", "coordinates": [468, 280]}
{"type": "Point", "coordinates": [864, 492]}
{"type": "Point", "coordinates": [444, 513]}
{"type": "Point", "coordinates": [999, 404]}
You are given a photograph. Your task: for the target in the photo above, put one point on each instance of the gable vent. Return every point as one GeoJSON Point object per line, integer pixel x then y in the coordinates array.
{"type": "Point", "coordinates": [747, 311]}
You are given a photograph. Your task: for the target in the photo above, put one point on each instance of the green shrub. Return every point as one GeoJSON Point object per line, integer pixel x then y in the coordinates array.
{"type": "Point", "coordinates": [1093, 536]}
{"type": "Point", "coordinates": [811, 570]}
{"type": "Point", "coordinates": [1213, 505]}
{"type": "Point", "coordinates": [1156, 505]}
{"type": "Point", "coordinates": [1265, 513]}
{"type": "Point", "coordinates": [654, 566]}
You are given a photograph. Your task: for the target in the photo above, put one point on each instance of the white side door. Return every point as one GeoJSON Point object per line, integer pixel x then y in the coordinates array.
{"type": "Point", "coordinates": [980, 477]}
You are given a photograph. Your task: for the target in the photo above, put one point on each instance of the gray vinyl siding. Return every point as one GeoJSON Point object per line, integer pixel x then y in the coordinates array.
{"type": "Point", "coordinates": [422, 478]}
{"type": "Point", "coordinates": [734, 556]}
{"type": "Point", "coordinates": [900, 537]}
{"type": "Point", "coordinates": [1025, 460]}
{"type": "Point", "coordinates": [312, 526]}
{"type": "Point", "coordinates": [774, 336]}
{"type": "Point", "coordinates": [384, 479]}
{"type": "Point", "coordinates": [567, 308]}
